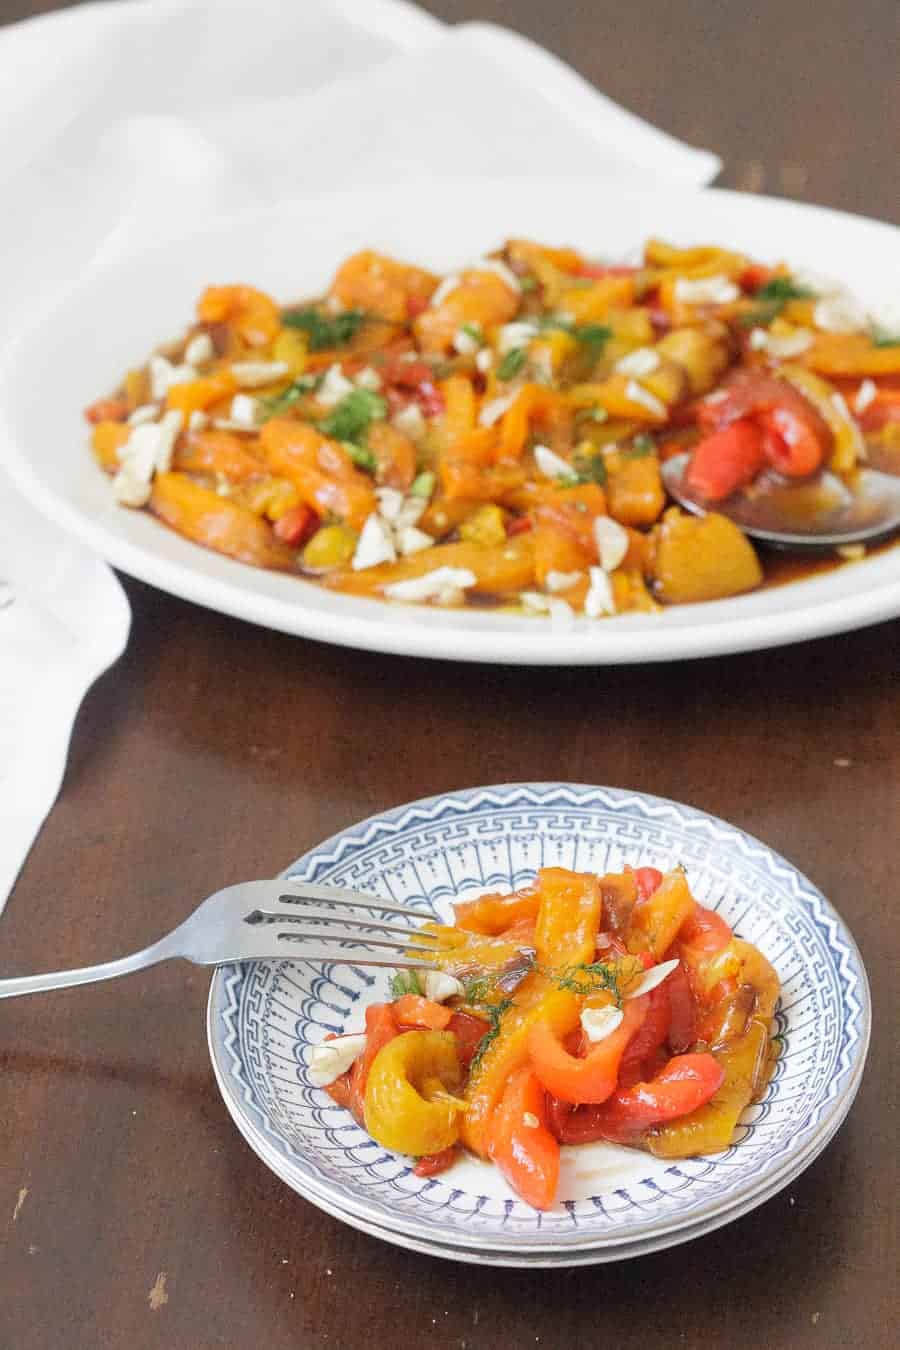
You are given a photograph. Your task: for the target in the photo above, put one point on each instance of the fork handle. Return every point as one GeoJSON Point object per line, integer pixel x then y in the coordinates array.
{"type": "Point", "coordinates": [108, 970]}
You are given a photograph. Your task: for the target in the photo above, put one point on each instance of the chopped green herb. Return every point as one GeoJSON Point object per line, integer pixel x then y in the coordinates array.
{"type": "Point", "coordinates": [349, 420]}
{"type": "Point", "coordinates": [473, 330]}
{"type": "Point", "coordinates": [495, 1012]}
{"type": "Point", "coordinates": [276, 404]}
{"type": "Point", "coordinates": [512, 364]}
{"type": "Point", "coordinates": [881, 338]}
{"type": "Point", "coordinates": [423, 485]}
{"type": "Point", "coordinates": [406, 982]}
{"type": "Point", "coordinates": [641, 445]}
{"type": "Point", "coordinates": [783, 288]}
{"type": "Point", "coordinates": [593, 336]}
{"type": "Point", "coordinates": [596, 977]}
{"type": "Point", "coordinates": [587, 468]}
{"type": "Point", "coordinates": [362, 457]}
{"type": "Point", "coordinates": [528, 284]}
{"type": "Point", "coordinates": [325, 330]}
{"type": "Point", "coordinates": [772, 299]}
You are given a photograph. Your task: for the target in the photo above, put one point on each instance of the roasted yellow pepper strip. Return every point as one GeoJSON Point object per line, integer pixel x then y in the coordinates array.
{"type": "Point", "coordinates": [710, 1129]}
{"type": "Point", "coordinates": [410, 1106]}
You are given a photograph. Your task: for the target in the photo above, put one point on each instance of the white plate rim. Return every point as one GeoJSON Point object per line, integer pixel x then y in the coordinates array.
{"type": "Point", "coordinates": [225, 586]}
{"type": "Point", "coordinates": [411, 1226]}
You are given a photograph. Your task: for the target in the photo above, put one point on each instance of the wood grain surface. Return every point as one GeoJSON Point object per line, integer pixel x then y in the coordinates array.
{"type": "Point", "coordinates": [131, 1212]}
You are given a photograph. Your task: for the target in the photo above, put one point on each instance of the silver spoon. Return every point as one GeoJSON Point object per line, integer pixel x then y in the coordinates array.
{"type": "Point", "coordinates": [818, 513]}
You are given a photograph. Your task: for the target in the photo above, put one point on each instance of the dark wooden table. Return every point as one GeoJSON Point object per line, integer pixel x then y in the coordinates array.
{"type": "Point", "coordinates": [131, 1212]}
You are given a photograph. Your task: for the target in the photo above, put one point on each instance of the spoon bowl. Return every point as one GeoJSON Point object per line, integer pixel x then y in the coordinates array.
{"type": "Point", "coordinates": [814, 515]}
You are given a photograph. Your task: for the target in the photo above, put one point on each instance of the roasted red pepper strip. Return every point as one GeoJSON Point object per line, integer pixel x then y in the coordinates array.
{"type": "Point", "coordinates": [725, 461]}
{"type": "Point", "coordinates": [469, 1032]}
{"type": "Point", "coordinates": [685, 1084]}
{"type": "Point", "coordinates": [520, 1143]}
{"type": "Point", "coordinates": [655, 1028]}
{"type": "Point", "coordinates": [682, 1010]}
{"type": "Point", "coordinates": [592, 1078]}
{"type": "Point", "coordinates": [648, 880]}
{"type": "Point", "coordinates": [433, 1163]}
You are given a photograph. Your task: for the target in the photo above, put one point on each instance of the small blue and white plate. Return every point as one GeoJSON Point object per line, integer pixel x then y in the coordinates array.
{"type": "Point", "coordinates": [265, 1016]}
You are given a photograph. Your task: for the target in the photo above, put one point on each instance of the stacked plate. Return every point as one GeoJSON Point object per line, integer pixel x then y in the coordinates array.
{"type": "Point", "coordinates": [264, 1017]}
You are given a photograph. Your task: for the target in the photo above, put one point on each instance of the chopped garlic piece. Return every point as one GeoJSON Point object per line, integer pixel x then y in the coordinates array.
{"type": "Point", "coordinates": [867, 391]}
{"type": "Point", "coordinates": [376, 544]}
{"type": "Point", "coordinates": [560, 612]}
{"type": "Point", "coordinates": [329, 1059]}
{"type": "Point", "coordinates": [562, 581]}
{"type": "Point", "coordinates": [439, 986]}
{"type": "Point", "coordinates": [705, 290]}
{"type": "Point", "coordinates": [167, 429]}
{"type": "Point", "coordinates": [368, 378]}
{"type": "Point", "coordinates": [433, 585]}
{"type": "Point", "coordinates": [638, 394]}
{"type": "Point", "coordinates": [599, 599]}
{"type": "Point", "coordinates": [484, 360]}
{"type": "Point", "coordinates": [652, 977]}
{"type": "Point", "coordinates": [641, 362]}
{"type": "Point", "coordinates": [254, 374]}
{"type": "Point", "coordinates": [839, 313]}
{"type": "Point", "coordinates": [410, 512]}
{"type": "Point", "coordinates": [199, 350]}
{"type": "Point", "coordinates": [147, 451]}
{"type": "Point", "coordinates": [198, 420]}
{"type": "Point", "coordinates": [492, 412]}
{"type": "Point", "coordinates": [447, 286]}
{"type": "Point", "coordinates": [549, 464]}
{"type": "Point", "coordinates": [612, 542]}
{"type": "Point", "coordinates": [784, 345]}
{"type": "Point", "coordinates": [334, 387]}
{"type": "Point", "coordinates": [410, 421]}
{"type": "Point", "coordinates": [535, 601]}
{"type": "Point", "coordinates": [513, 335]}
{"type": "Point", "coordinates": [389, 502]}
{"type": "Point", "coordinates": [163, 375]}
{"type": "Point", "coordinates": [598, 1023]}
{"type": "Point", "coordinates": [147, 412]}
{"type": "Point", "coordinates": [411, 540]}
{"type": "Point", "coordinates": [244, 409]}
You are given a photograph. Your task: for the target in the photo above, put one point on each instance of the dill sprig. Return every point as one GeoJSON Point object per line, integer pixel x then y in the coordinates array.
{"type": "Point", "coordinates": [406, 982]}
{"type": "Point", "coordinates": [595, 977]}
{"type": "Point", "coordinates": [495, 1013]}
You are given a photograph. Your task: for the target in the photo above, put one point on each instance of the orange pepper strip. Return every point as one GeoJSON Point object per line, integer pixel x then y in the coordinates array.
{"type": "Point", "coordinates": [320, 469]}
{"type": "Point", "coordinates": [520, 1143]}
{"type": "Point", "coordinates": [198, 395]}
{"type": "Point", "coordinates": [593, 1078]}
{"type": "Point", "coordinates": [568, 917]}
{"type": "Point", "coordinates": [255, 315]}
{"type": "Point", "coordinates": [412, 1010]}
{"type": "Point", "coordinates": [493, 914]}
{"type": "Point", "coordinates": [459, 398]}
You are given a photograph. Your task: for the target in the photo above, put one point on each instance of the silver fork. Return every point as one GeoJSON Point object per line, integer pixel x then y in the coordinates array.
{"type": "Point", "coordinates": [259, 919]}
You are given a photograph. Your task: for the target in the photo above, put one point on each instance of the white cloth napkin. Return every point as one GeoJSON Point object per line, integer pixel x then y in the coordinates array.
{"type": "Point", "coordinates": [126, 124]}
{"type": "Point", "coordinates": [63, 620]}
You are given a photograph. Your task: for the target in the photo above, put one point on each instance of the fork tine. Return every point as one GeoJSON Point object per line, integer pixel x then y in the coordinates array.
{"type": "Point", "coordinates": [343, 945]}
{"type": "Point", "coordinates": [315, 954]}
{"type": "Point", "coordinates": [339, 897]}
{"type": "Point", "coordinates": [363, 924]}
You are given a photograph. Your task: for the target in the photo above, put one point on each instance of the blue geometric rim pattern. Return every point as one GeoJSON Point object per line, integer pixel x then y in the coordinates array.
{"type": "Point", "coordinates": [265, 1015]}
